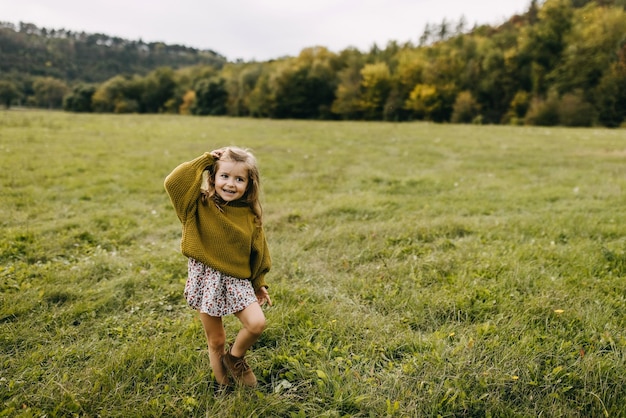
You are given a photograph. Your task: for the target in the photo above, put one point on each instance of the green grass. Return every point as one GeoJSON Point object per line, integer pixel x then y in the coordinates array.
{"type": "Point", "coordinates": [419, 270]}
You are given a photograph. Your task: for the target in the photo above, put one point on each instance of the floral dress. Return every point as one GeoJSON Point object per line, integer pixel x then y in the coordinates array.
{"type": "Point", "coordinates": [214, 293]}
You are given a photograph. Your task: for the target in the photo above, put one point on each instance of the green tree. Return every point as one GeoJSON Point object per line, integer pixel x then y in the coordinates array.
{"type": "Point", "coordinates": [8, 93]}
{"type": "Point", "coordinates": [119, 94]}
{"type": "Point", "coordinates": [187, 102]}
{"type": "Point", "coordinates": [410, 69]}
{"type": "Point", "coordinates": [347, 103]}
{"type": "Point", "coordinates": [466, 109]}
{"type": "Point", "coordinates": [423, 101]}
{"type": "Point", "coordinates": [430, 102]}
{"type": "Point", "coordinates": [376, 86]}
{"type": "Point", "coordinates": [592, 46]}
{"type": "Point", "coordinates": [79, 100]}
{"type": "Point", "coordinates": [240, 82]}
{"type": "Point", "coordinates": [544, 112]}
{"type": "Point", "coordinates": [304, 87]}
{"type": "Point", "coordinates": [542, 43]}
{"type": "Point", "coordinates": [444, 65]}
{"type": "Point", "coordinates": [409, 72]}
{"type": "Point", "coordinates": [575, 111]}
{"type": "Point", "coordinates": [610, 94]}
{"type": "Point", "coordinates": [518, 108]}
{"type": "Point", "coordinates": [291, 87]}
{"type": "Point", "coordinates": [393, 109]}
{"type": "Point", "coordinates": [158, 88]}
{"type": "Point", "coordinates": [490, 86]}
{"type": "Point", "coordinates": [49, 92]}
{"type": "Point", "coordinates": [211, 97]}
{"type": "Point", "coordinates": [261, 100]}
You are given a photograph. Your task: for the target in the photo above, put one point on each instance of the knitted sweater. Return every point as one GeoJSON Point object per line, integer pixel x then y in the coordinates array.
{"type": "Point", "coordinates": [226, 240]}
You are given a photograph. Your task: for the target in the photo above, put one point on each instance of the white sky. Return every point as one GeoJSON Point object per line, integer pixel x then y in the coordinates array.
{"type": "Point", "coordinates": [258, 30]}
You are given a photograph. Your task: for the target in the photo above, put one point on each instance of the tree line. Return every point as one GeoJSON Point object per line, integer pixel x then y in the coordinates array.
{"type": "Point", "coordinates": [562, 62]}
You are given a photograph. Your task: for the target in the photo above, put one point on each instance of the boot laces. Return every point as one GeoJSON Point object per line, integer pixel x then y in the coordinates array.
{"type": "Point", "coordinates": [241, 365]}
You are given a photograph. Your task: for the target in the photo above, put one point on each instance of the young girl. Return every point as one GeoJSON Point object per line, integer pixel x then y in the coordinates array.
{"type": "Point", "coordinates": [216, 198]}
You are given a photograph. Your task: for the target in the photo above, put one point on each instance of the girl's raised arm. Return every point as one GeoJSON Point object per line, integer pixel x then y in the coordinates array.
{"type": "Point", "coordinates": [183, 184]}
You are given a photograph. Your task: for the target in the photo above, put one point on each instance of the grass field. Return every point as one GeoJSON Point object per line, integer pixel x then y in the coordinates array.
{"type": "Point", "coordinates": [419, 270]}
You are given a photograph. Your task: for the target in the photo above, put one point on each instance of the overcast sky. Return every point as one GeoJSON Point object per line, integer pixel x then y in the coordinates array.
{"type": "Point", "coordinates": [262, 29]}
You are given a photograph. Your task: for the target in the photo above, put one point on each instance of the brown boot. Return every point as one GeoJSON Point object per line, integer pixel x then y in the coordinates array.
{"type": "Point", "coordinates": [239, 369]}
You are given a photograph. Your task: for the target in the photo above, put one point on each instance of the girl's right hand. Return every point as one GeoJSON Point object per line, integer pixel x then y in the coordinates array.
{"type": "Point", "coordinates": [217, 153]}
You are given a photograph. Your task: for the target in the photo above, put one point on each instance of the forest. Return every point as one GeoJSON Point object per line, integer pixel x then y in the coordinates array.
{"type": "Point", "coordinates": [561, 62]}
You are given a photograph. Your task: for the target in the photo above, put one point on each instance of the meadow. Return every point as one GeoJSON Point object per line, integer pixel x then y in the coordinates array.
{"type": "Point", "coordinates": [418, 270]}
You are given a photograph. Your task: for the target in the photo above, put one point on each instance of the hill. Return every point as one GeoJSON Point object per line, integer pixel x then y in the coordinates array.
{"type": "Point", "coordinates": [78, 56]}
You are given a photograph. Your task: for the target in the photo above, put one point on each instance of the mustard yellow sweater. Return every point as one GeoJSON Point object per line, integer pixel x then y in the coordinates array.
{"type": "Point", "coordinates": [226, 240]}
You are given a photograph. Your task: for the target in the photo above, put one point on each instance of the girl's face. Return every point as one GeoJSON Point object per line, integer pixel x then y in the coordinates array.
{"type": "Point", "coordinates": [231, 180]}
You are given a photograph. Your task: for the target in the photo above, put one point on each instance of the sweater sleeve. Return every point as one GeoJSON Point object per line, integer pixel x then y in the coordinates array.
{"type": "Point", "coordinates": [260, 261]}
{"type": "Point", "coordinates": [183, 185]}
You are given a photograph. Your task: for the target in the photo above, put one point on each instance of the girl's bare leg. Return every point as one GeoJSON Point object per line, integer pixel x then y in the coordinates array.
{"type": "Point", "coordinates": [216, 340]}
{"type": "Point", "coordinates": [253, 320]}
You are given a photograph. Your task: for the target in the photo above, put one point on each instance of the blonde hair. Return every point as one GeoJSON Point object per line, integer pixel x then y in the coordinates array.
{"type": "Point", "coordinates": [251, 195]}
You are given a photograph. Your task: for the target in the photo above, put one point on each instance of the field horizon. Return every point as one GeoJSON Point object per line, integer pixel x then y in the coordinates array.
{"type": "Point", "coordinates": [419, 269]}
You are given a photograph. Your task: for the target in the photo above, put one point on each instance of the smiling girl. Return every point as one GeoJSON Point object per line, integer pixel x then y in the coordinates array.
{"type": "Point", "coordinates": [216, 198]}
